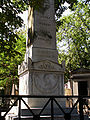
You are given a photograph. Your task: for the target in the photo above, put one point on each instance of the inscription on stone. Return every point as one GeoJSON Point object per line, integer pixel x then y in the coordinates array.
{"type": "Point", "coordinates": [46, 5]}
{"type": "Point", "coordinates": [46, 65]}
{"type": "Point", "coordinates": [43, 53]}
{"type": "Point", "coordinates": [45, 25]}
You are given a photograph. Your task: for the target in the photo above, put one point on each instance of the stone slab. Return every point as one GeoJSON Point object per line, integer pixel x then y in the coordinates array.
{"type": "Point", "coordinates": [39, 54]}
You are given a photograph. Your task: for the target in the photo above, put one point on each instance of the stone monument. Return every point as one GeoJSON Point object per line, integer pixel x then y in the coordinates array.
{"type": "Point", "coordinates": [40, 73]}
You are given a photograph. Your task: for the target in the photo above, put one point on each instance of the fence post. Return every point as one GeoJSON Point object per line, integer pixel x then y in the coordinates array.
{"type": "Point", "coordinates": [67, 116]}
{"type": "Point", "coordinates": [52, 112]}
{"type": "Point", "coordinates": [81, 108]}
{"type": "Point", "coordinates": [19, 112]}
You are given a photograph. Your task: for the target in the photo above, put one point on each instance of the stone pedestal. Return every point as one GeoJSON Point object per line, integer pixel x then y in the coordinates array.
{"type": "Point", "coordinates": [40, 78]}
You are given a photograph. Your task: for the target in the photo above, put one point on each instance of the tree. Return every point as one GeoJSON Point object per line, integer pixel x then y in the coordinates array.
{"type": "Point", "coordinates": [9, 66]}
{"type": "Point", "coordinates": [74, 33]}
{"type": "Point", "coordinates": [10, 21]}
{"type": "Point", "coordinates": [60, 8]}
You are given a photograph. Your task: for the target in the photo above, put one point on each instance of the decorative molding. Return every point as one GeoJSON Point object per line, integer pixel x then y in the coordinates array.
{"type": "Point", "coordinates": [24, 66]}
{"type": "Point", "coordinates": [48, 65]}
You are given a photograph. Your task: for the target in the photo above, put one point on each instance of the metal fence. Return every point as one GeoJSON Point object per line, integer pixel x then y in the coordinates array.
{"type": "Point", "coordinates": [82, 103]}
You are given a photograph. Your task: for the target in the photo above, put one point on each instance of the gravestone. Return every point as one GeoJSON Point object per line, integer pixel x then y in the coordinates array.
{"type": "Point", "coordinates": [40, 73]}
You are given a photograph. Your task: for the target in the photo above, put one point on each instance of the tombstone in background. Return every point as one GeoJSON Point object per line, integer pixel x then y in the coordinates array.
{"type": "Point", "coordinates": [40, 73]}
{"type": "Point", "coordinates": [14, 89]}
{"type": "Point", "coordinates": [81, 81]}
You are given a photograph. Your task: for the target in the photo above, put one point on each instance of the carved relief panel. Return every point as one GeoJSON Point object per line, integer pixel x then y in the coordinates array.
{"type": "Point", "coordinates": [46, 83]}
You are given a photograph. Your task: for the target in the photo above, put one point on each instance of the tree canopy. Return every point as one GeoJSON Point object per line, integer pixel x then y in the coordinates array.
{"type": "Point", "coordinates": [74, 39]}
{"type": "Point", "coordinates": [10, 21]}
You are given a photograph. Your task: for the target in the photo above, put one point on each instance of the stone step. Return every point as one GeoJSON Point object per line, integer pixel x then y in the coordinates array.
{"type": "Point", "coordinates": [26, 112]}
{"type": "Point", "coordinates": [46, 115]}
{"type": "Point", "coordinates": [59, 117]}
{"type": "Point", "coordinates": [56, 117]}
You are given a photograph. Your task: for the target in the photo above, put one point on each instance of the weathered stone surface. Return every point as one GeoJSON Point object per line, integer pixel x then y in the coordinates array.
{"type": "Point", "coordinates": [48, 65]}
{"type": "Point", "coordinates": [39, 54]}
{"type": "Point", "coordinates": [41, 78]}
{"type": "Point", "coordinates": [42, 33]}
{"type": "Point", "coordinates": [45, 26]}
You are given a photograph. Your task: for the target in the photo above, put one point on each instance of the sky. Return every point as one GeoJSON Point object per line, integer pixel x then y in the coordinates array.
{"type": "Point", "coordinates": [24, 16]}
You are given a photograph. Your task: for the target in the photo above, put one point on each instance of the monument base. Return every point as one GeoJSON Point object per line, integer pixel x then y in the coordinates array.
{"type": "Point", "coordinates": [41, 78]}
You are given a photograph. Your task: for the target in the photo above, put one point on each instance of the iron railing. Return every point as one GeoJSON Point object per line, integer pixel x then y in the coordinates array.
{"type": "Point", "coordinates": [81, 101]}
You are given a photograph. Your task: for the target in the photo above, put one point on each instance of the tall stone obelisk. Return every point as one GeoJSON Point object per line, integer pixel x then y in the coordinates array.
{"type": "Point", "coordinates": [40, 73]}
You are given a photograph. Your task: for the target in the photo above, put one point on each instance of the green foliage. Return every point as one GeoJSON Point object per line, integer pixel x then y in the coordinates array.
{"type": "Point", "coordinates": [74, 35]}
{"type": "Point", "coordinates": [60, 8]}
{"type": "Point", "coordinates": [9, 65]}
{"type": "Point", "coordinates": [10, 21]}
